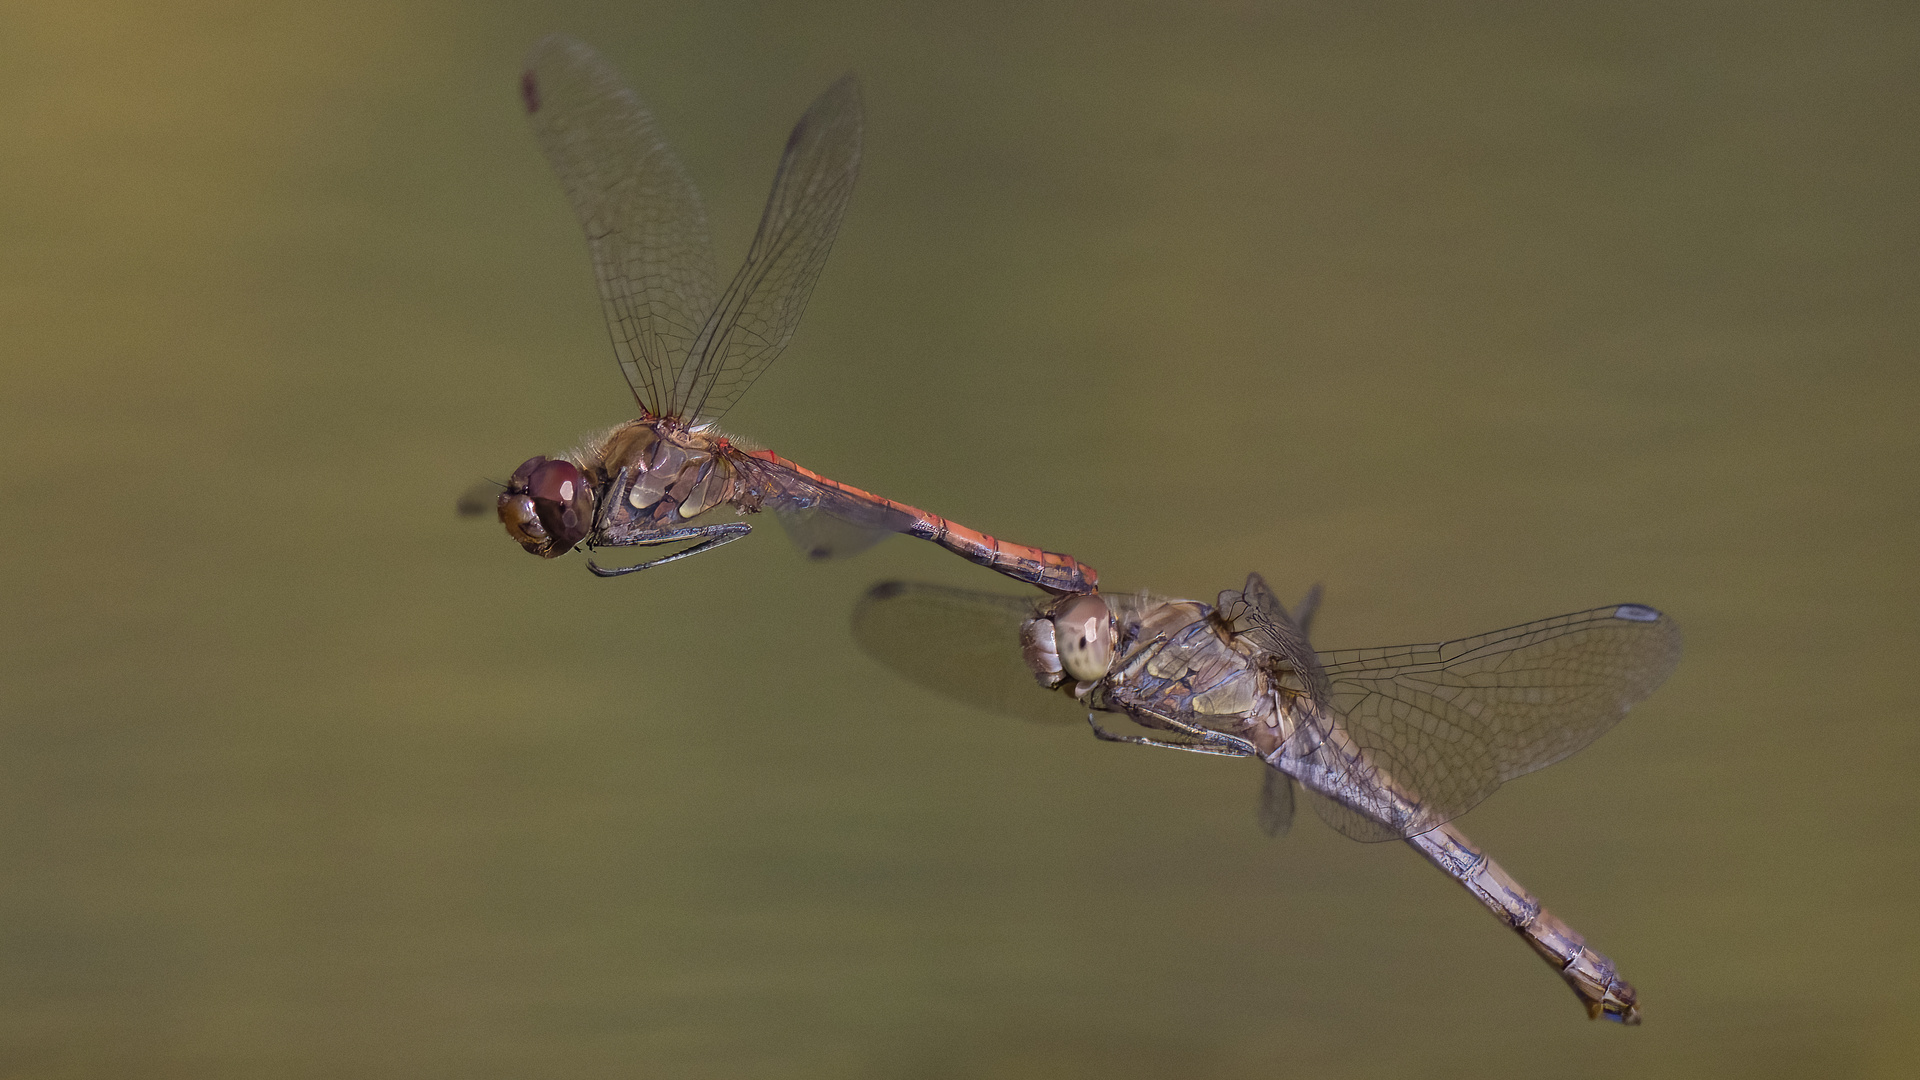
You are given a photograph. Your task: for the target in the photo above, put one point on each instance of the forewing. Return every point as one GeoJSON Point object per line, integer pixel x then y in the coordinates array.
{"type": "Point", "coordinates": [645, 225]}
{"type": "Point", "coordinates": [1449, 722]}
{"type": "Point", "coordinates": [1306, 609]}
{"type": "Point", "coordinates": [757, 314]}
{"type": "Point", "coordinates": [1256, 614]}
{"type": "Point", "coordinates": [957, 642]}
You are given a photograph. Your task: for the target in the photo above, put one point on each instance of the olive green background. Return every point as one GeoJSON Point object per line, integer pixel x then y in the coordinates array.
{"type": "Point", "coordinates": [1475, 312]}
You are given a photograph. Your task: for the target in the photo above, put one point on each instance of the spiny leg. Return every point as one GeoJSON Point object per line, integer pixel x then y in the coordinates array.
{"type": "Point", "coordinates": [1208, 741]}
{"type": "Point", "coordinates": [1239, 746]}
{"type": "Point", "coordinates": [1141, 740]}
{"type": "Point", "coordinates": [712, 537]}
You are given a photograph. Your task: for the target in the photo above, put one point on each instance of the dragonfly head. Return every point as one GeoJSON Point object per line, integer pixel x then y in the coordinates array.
{"type": "Point", "coordinates": [547, 507]}
{"type": "Point", "coordinates": [1074, 641]}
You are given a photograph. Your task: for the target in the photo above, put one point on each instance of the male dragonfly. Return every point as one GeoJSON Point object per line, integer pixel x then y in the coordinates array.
{"type": "Point", "coordinates": [689, 348]}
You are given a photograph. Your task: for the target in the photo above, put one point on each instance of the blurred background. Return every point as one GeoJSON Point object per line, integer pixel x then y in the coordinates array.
{"type": "Point", "coordinates": [1475, 312]}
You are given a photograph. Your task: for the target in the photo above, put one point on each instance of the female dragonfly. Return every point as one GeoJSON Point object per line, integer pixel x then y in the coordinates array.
{"type": "Point", "coordinates": [689, 349]}
{"type": "Point", "coordinates": [1389, 744]}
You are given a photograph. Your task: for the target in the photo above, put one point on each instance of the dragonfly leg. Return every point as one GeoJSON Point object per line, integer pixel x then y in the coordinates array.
{"type": "Point", "coordinates": [1165, 744]}
{"type": "Point", "coordinates": [1236, 746]}
{"type": "Point", "coordinates": [1207, 742]}
{"type": "Point", "coordinates": [710, 536]}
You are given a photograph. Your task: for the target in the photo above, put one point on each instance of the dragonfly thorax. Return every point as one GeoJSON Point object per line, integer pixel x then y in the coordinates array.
{"type": "Point", "coordinates": [1177, 660]}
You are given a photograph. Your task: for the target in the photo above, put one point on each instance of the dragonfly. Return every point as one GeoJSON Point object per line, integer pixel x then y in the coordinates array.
{"type": "Point", "coordinates": [1386, 743]}
{"type": "Point", "coordinates": [689, 348]}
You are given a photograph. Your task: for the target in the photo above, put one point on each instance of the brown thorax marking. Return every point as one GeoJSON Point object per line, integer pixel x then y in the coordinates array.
{"type": "Point", "coordinates": [1201, 677]}
{"type": "Point", "coordinates": [656, 474]}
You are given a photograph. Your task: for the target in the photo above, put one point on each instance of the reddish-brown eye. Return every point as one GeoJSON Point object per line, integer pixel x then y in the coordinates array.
{"type": "Point", "coordinates": [547, 507]}
{"type": "Point", "coordinates": [555, 481]}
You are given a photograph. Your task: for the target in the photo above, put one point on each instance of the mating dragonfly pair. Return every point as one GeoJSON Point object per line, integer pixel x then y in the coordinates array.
{"type": "Point", "coordinates": [1386, 743]}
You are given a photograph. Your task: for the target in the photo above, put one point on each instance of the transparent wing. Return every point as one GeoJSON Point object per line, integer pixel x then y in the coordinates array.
{"type": "Point", "coordinates": [757, 314]}
{"type": "Point", "coordinates": [821, 535]}
{"type": "Point", "coordinates": [1276, 803]}
{"type": "Point", "coordinates": [823, 521]}
{"type": "Point", "coordinates": [1306, 609]}
{"type": "Point", "coordinates": [1276, 788]}
{"type": "Point", "coordinates": [1449, 722]}
{"type": "Point", "coordinates": [645, 225]}
{"type": "Point", "coordinates": [1255, 613]}
{"type": "Point", "coordinates": [960, 643]}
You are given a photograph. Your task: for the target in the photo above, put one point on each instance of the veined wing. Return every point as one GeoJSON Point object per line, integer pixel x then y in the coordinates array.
{"type": "Point", "coordinates": [1255, 613]}
{"type": "Point", "coordinates": [1275, 809]}
{"type": "Point", "coordinates": [645, 225]}
{"type": "Point", "coordinates": [1451, 721]}
{"type": "Point", "coordinates": [823, 521]}
{"type": "Point", "coordinates": [757, 314]}
{"type": "Point", "coordinates": [957, 642]}
{"type": "Point", "coordinates": [822, 535]}
{"type": "Point", "coordinates": [1306, 609]}
{"type": "Point", "coordinates": [1282, 634]}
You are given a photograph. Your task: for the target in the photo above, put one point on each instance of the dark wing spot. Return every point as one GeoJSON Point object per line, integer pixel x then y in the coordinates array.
{"type": "Point", "coordinates": [530, 91]}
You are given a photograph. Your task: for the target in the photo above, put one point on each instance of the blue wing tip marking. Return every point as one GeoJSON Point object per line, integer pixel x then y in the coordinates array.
{"type": "Point", "coordinates": [1636, 613]}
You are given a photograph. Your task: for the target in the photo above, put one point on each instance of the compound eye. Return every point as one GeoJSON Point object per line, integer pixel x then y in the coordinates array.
{"type": "Point", "coordinates": [547, 507]}
{"type": "Point", "coordinates": [1037, 646]}
{"type": "Point", "coordinates": [555, 481]}
{"type": "Point", "coordinates": [1083, 634]}
{"type": "Point", "coordinates": [563, 501]}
